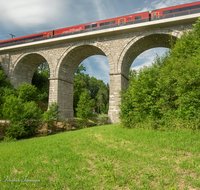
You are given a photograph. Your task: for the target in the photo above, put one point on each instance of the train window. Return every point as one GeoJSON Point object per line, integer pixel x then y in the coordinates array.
{"type": "Point", "coordinates": [137, 17]}
{"type": "Point", "coordinates": [185, 8]}
{"type": "Point", "coordinates": [87, 26]}
{"type": "Point", "coordinates": [129, 18]}
{"type": "Point", "coordinates": [195, 7]}
{"type": "Point", "coordinates": [94, 25]}
{"type": "Point", "coordinates": [176, 10]}
{"type": "Point", "coordinates": [107, 23]}
{"type": "Point", "coordinates": [166, 12]}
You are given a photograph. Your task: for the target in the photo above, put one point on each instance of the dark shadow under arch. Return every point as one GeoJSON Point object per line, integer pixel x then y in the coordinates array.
{"type": "Point", "coordinates": [25, 68]}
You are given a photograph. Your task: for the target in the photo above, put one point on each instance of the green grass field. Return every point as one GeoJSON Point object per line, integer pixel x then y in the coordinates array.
{"type": "Point", "coordinates": [104, 157]}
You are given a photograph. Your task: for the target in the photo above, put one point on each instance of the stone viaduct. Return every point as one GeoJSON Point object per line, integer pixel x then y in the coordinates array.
{"type": "Point", "coordinates": [120, 45]}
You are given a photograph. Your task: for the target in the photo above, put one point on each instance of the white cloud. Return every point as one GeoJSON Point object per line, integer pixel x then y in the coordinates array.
{"type": "Point", "coordinates": [98, 67]}
{"type": "Point", "coordinates": [29, 13]}
{"type": "Point", "coordinates": [140, 66]}
{"type": "Point", "coordinates": [157, 4]}
{"type": "Point", "coordinates": [99, 8]}
{"type": "Point", "coordinates": [147, 58]}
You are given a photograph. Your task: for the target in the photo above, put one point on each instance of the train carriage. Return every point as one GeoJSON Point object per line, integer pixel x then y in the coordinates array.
{"type": "Point", "coordinates": [103, 24]}
{"type": "Point", "coordinates": [175, 11]}
{"type": "Point", "coordinates": [164, 13]}
{"type": "Point", "coordinates": [26, 39]}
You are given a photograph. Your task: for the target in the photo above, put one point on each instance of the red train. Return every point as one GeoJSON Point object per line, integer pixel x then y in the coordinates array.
{"type": "Point", "coordinates": [169, 12]}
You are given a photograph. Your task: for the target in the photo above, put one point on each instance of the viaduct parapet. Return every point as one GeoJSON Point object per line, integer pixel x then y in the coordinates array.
{"type": "Point", "coordinates": [120, 45]}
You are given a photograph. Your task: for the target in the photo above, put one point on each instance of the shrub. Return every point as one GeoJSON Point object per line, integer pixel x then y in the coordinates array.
{"type": "Point", "coordinates": [84, 108]}
{"type": "Point", "coordinates": [27, 92]}
{"type": "Point", "coordinates": [25, 117]}
{"type": "Point", "coordinates": [51, 117]}
{"type": "Point", "coordinates": [9, 139]}
{"type": "Point", "coordinates": [15, 130]}
{"type": "Point", "coordinates": [102, 119]}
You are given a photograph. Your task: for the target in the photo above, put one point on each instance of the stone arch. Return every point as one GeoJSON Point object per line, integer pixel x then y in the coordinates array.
{"type": "Point", "coordinates": [61, 87]}
{"type": "Point", "coordinates": [119, 79]}
{"type": "Point", "coordinates": [139, 45]}
{"type": "Point", "coordinates": [25, 67]}
{"type": "Point", "coordinates": [72, 58]}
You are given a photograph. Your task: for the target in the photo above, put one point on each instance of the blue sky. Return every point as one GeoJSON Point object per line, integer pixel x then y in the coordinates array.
{"type": "Point", "coordinates": [24, 17]}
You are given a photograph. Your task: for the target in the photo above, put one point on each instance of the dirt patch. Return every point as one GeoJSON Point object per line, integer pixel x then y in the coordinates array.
{"type": "Point", "coordinates": [60, 126]}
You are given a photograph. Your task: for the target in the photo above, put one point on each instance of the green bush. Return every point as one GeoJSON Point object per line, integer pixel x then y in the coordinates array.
{"type": "Point", "coordinates": [102, 119]}
{"type": "Point", "coordinates": [9, 139]}
{"type": "Point", "coordinates": [27, 92]}
{"type": "Point", "coordinates": [5, 89]}
{"type": "Point", "coordinates": [51, 117]}
{"type": "Point", "coordinates": [84, 108]}
{"type": "Point", "coordinates": [25, 117]}
{"type": "Point", "coordinates": [15, 130]}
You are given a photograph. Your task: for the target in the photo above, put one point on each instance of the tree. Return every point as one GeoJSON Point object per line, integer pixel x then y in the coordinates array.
{"type": "Point", "coordinates": [20, 107]}
{"type": "Point", "coordinates": [103, 98]}
{"type": "Point", "coordinates": [51, 117]}
{"type": "Point", "coordinates": [5, 89]}
{"type": "Point", "coordinates": [97, 89]}
{"type": "Point", "coordinates": [84, 107]}
{"type": "Point", "coordinates": [27, 92]}
{"type": "Point", "coordinates": [41, 81]}
{"type": "Point", "coordinates": [24, 116]}
{"type": "Point", "coordinates": [79, 69]}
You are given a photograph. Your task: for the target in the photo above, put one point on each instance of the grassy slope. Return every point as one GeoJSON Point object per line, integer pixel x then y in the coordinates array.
{"type": "Point", "coordinates": [105, 157]}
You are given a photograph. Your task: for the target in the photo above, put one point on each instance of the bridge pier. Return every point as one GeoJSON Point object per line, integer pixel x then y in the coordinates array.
{"type": "Point", "coordinates": [118, 81]}
{"type": "Point", "coordinates": [61, 92]}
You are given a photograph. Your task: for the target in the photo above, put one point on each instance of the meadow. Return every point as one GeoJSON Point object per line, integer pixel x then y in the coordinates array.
{"type": "Point", "coordinates": [103, 157]}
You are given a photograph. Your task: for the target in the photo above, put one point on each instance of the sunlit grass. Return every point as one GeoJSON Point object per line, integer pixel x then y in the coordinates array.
{"type": "Point", "coordinates": [105, 157]}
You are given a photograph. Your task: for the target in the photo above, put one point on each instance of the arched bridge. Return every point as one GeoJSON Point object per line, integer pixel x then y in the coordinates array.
{"type": "Point", "coordinates": [120, 45]}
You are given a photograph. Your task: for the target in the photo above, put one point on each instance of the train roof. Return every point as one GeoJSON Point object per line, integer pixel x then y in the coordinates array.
{"type": "Point", "coordinates": [177, 6]}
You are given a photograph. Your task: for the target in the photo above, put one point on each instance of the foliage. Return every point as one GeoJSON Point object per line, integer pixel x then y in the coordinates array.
{"type": "Point", "coordinates": [3, 81]}
{"type": "Point", "coordinates": [103, 98]}
{"type": "Point", "coordinates": [102, 119]}
{"type": "Point", "coordinates": [166, 95]}
{"type": "Point", "coordinates": [27, 92]}
{"type": "Point", "coordinates": [15, 130]}
{"type": "Point", "coordinates": [5, 89]}
{"type": "Point", "coordinates": [51, 117]}
{"type": "Point", "coordinates": [84, 107]}
{"type": "Point", "coordinates": [19, 107]}
{"type": "Point", "coordinates": [9, 139]}
{"type": "Point", "coordinates": [81, 82]}
{"type": "Point", "coordinates": [79, 69]}
{"type": "Point", "coordinates": [41, 81]}
{"type": "Point", "coordinates": [97, 89]}
{"type": "Point", "coordinates": [24, 116]}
